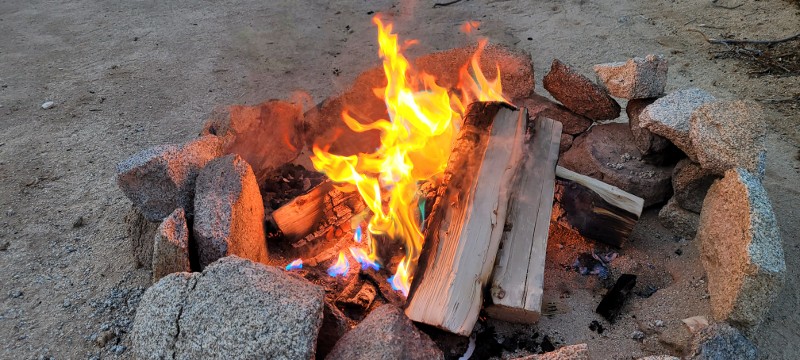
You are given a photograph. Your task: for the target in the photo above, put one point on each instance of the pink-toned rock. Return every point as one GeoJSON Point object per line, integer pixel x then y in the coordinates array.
{"type": "Point", "coordinates": [571, 122]}
{"type": "Point", "coordinates": [569, 352]}
{"type": "Point", "coordinates": [579, 94]}
{"type": "Point", "coordinates": [171, 246]}
{"type": "Point", "coordinates": [637, 78]}
{"type": "Point", "coordinates": [229, 212]}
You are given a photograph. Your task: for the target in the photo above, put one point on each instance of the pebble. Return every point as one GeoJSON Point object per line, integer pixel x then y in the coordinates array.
{"type": "Point", "coordinates": [48, 104]}
{"type": "Point", "coordinates": [659, 323]}
{"type": "Point", "coordinates": [637, 335]}
{"type": "Point", "coordinates": [118, 349]}
{"type": "Point", "coordinates": [67, 303]}
{"type": "Point", "coordinates": [15, 294]}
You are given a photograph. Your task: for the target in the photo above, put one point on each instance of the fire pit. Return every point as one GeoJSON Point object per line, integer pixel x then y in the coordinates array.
{"type": "Point", "coordinates": [428, 192]}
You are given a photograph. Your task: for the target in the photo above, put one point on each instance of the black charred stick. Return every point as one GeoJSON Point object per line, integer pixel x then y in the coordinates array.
{"type": "Point", "coordinates": [612, 303]}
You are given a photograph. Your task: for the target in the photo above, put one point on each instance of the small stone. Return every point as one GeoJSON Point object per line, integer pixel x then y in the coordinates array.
{"type": "Point", "coordinates": [690, 184]}
{"type": "Point", "coordinates": [235, 308]}
{"type": "Point", "coordinates": [675, 338]}
{"type": "Point", "coordinates": [66, 303]}
{"type": "Point", "coordinates": [571, 123]}
{"type": "Point", "coordinates": [655, 149]}
{"type": "Point", "coordinates": [78, 222]}
{"type": "Point", "coordinates": [721, 341]}
{"type": "Point", "coordinates": [741, 249]}
{"type": "Point", "coordinates": [637, 78]}
{"type": "Point", "coordinates": [103, 338]}
{"type": "Point", "coordinates": [669, 116]}
{"type": "Point", "coordinates": [695, 323]}
{"type": "Point", "coordinates": [161, 179]}
{"type": "Point", "coordinates": [229, 212]}
{"type": "Point", "coordinates": [171, 246]}
{"type": "Point", "coordinates": [15, 294]}
{"type": "Point", "coordinates": [388, 332]}
{"type": "Point", "coordinates": [598, 153]}
{"type": "Point", "coordinates": [729, 134]}
{"type": "Point", "coordinates": [637, 335]}
{"type": "Point", "coordinates": [579, 94]}
{"type": "Point", "coordinates": [118, 349]}
{"type": "Point", "coordinates": [569, 352]}
{"type": "Point", "coordinates": [682, 222]}
{"type": "Point", "coordinates": [48, 105]}
{"type": "Point", "coordinates": [4, 245]}
{"type": "Point", "coordinates": [659, 323]}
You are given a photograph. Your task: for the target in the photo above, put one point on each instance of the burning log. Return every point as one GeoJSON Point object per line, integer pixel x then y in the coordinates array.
{"type": "Point", "coordinates": [596, 210]}
{"type": "Point", "coordinates": [310, 218]}
{"type": "Point", "coordinates": [518, 280]}
{"type": "Point", "coordinates": [463, 231]}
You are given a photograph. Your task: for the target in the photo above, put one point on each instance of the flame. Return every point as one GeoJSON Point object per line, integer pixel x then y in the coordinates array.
{"type": "Point", "coordinates": [341, 267]}
{"type": "Point", "coordinates": [469, 26]}
{"type": "Point", "coordinates": [416, 142]}
{"type": "Point", "coordinates": [364, 259]}
{"type": "Point", "coordinates": [296, 264]}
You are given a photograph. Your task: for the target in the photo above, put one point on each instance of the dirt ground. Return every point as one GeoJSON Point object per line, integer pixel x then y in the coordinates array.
{"type": "Point", "coordinates": [125, 76]}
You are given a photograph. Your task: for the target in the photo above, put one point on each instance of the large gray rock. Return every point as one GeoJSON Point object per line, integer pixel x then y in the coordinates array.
{"type": "Point", "coordinates": [579, 94]}
{"type": "Point", "coordinates": [171, 246]}
{"type": "Point", "coordinates": [690, 183]}
{"type": "Point", "coordinates": [722, 342]}
{"type": "Point", "coordinates": [729, 134]}
{"type": "Point", "coordinates": [607, 153]}
{"type": "Point", "coordinates": [234, 309]}
{"type": "Point", "coordinates": [637, 78]}
{"type": "Point", "coordinates": [569, 352]}
{"type": "Point", "coordinates": [681, 221]}
{"type": "Point", "coordinates": [229, 212]}
{"type": "Point", "coordinates": [385, 334]}
{"type": "Point", "coordinates": [655, 149]}
{"type": "Point", "coordinates": [669, 116]}
{"type": "Point", "coordinates": [161, 179]}
{"type": "Point", "coordinates": [741, 249]}
{"type": "Point", "coordinates": [571, 123]}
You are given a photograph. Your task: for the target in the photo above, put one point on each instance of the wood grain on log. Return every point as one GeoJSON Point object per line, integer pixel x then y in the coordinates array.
{"type": "Point", "coordinates": [463, 230]}
{"type": "Point", "coordinates": [518, 279]}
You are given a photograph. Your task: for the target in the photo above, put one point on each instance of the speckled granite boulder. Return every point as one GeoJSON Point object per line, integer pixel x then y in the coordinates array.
{"type": "Point", "coordinates": [229, 212]}
{"type": "Point", "coordinates": [727, 135]}
{"type": "Point", "coordinates": [579, 94]}
{"type": "Point", "coordinates": [637, 78]}
{"type": "Point", "coordinates": [722, 342]}
{"type": "Point", "coordinates": [681, 221]}
{"type": "Point", "coordinates": [669, 116]}
{"type": "Point", "coordinates": [690, 183]}
{"type": "Point", "coordinates": [385, 334]}
{"type": "Point", "coordinates": [171, 246]}
{"type": "Point", "coordinates": [161, 179]}
{"type": "Point", "coordinates": [655, 149]}
{"type": "Point", "coordinates": [569, 352]}
{"type": "Point", "coordinates": [741, 249]}
{"type": "Point", "coordinates": [571, 123]}
{"type": "Point", "coordinates": [234, 309]}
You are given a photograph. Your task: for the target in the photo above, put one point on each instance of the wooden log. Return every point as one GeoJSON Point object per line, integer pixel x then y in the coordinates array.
{"type": "Point", "coordinates": [463, 230]}
{"type": "Point", "coordinates": [518, 279]}
{"type": "Point", "coordinates": [314, 219]}
{"type": "Point", "coordinates": [596, 210]}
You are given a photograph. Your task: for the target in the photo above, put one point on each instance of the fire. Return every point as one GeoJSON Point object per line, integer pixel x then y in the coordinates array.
{"type": "Point", "coordinates": [341, 267]}
{"type": "Point", "coordinates": [415, 144]}
{"type": "Point", "coordinates": [296, 264]}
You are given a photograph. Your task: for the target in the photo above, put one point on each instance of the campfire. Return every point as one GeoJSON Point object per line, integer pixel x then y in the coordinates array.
{"type": "Point", "coordinates": [432, 185]}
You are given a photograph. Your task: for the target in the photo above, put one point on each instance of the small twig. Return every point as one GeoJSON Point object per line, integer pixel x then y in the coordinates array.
{"type": "Point", "coordinates": [713, 3]}
{"type": "Point", "coordinates": [739, 41]}
{"type": "Point", "coordinates": [780, 100]}
{"type": "Point", "coordinates": [445, 3]}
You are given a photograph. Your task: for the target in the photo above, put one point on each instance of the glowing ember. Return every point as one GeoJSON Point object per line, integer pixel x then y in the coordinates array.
{"type": "Point", "coordinates": [364, 259]}
{"type": "Point", "coordinates": [416, 142]}
{"type": "Point", "coordinates": [341, 267]}
{"type": "Point", "coordinates": [297, 264]}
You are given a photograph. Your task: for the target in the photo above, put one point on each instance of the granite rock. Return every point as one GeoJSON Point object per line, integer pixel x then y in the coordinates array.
{"type": "Point", "coordinates": [690, 184]}
{"type": "Point", "coordinates": [572, 123]}
{"type": "Point", "coordinates": [655, 149]}
{"type": "Point", "coordinates": [229, 212]}
{"type": "Point", "coordinates": [161, 179]}
{"type": "Point", "coordinates": [681, 221]}
{"type": "Point", "coordinates": [234, 309]}
{"type": "Point", "coordinates": [729, 134]}
{"type": "Point", "coordinates": [569, 352]}
{"type": "Point", "coordinates": [741, 250]}
{"type": "Point", "coordinates": [637, 78]}
{"type": "Point", "coordinates": [721, 341]}
{"type": "Point", "coordinates": [385, 334]}
{"type": "Point", "coordinates": [171, 246]}
{"type": "Point", "coordinates": [669, 116]}
{"type": "Point", "coordinates": [579, 94]}
{"type": "Point", "coordinates": [566, 143]}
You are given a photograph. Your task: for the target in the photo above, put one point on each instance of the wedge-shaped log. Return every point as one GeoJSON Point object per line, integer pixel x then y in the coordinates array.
{"type": "Point", "coordinates": [518, 278]}
{"type": "Point", "coordinates": [463, 230]}
{"type": "Point", "coordinates": [597, 210]}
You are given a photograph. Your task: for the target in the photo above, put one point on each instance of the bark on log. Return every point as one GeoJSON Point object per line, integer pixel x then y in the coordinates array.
{"type": "Point", "coordinates": [463, 230]}
{"type": "Point", "coordinates": [518, 279]}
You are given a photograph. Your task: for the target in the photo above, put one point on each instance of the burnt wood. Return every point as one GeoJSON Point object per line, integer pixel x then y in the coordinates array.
{"type": "Point", "coordinates": [462, 232]}
{"type": "Point", "coordinates": [612, 303]}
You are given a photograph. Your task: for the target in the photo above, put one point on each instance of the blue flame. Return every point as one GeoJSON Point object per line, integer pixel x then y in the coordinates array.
{"type": "Point", "coordinates": [357, 235]}
{"type": "Point", "coordinates": [296, 264]}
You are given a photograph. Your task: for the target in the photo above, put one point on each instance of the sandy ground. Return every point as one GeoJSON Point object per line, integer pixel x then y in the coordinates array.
{"type": "Point", "coordinates": [128, 75]}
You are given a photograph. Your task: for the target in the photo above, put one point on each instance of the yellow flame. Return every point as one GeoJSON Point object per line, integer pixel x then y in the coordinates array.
{"type": "Point", "coordinates": [416, 142]}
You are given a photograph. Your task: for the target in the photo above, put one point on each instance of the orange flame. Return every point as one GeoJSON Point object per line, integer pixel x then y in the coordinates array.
{"type": "Point", "coordinates": [416, 142]}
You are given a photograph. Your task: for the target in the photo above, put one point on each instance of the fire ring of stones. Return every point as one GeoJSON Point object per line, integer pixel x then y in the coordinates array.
{"type": "Point", "coordinates": [218, 218]}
